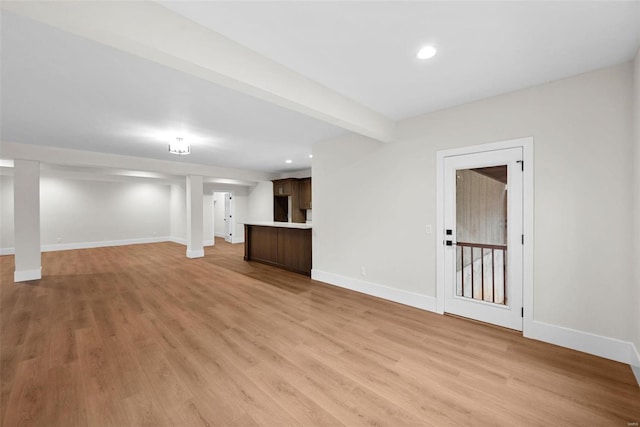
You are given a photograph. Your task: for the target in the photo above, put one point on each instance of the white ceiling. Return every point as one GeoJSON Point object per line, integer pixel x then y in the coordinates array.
{"type": "Point", "coordinates": [366, 50]}
{"type": "Point", "coordinates": [63, 90]}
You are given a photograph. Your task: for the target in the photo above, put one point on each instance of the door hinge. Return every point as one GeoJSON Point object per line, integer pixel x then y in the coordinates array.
{"type": "Point", "coordinates": [522, 238]}
{"type": "Point", "coordinates": [521, 164]}
{"type": "Point", "coordinates": [521, 311]}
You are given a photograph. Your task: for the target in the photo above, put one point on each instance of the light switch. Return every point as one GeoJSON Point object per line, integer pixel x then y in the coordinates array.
{"type": "Point", "coordinates": [428, 229]}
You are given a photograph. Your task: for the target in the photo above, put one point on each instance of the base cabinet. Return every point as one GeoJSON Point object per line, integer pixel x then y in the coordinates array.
{"type": "Point", "coordinates": [287, 248]}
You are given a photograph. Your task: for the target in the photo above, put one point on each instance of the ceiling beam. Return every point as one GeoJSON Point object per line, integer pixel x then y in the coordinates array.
{"type": "Point", "coordinates": [92, 159]}
{"type": "Point", "coordinates": [151, 31]}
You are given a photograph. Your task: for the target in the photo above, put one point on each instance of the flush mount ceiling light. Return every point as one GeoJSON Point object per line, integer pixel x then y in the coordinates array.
{"type": "Point", "coordinates": [288, 161]}
{"type": "Point", "coordinates": [179, 147]}
{"type": "Point", "coordinates": [426, 52]}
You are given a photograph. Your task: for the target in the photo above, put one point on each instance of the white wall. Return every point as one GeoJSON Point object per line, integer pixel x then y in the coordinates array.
{"type": "Point", "coordinates": [240, 211]}
{"type": "Point", "coordinates": [636, 211]}
{"type": "Point", "coordinates": [178, 213]}
{"type": "Point", "coordinates": [88, 211]}
{"type": "Point", "coordinates": [302, 173]}
{"type": "Point", "coordinates": [80, 211]}
{"type": "Point", "coordinates": [6, 213]}
{"type": "Point", "coordinates": [260, 202]}
{"type": "Point", "coordinates": [372, 200]}
{"type": "Point", "coordinates": [207, 218]}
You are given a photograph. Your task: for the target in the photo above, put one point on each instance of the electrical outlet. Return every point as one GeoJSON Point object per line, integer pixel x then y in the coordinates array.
{"type": "Point", "coordinates": [363, 270]}
{"type": "Point", "coordinates": [428, 229]}
{"type": "Point", "coordinates": [59, 239]}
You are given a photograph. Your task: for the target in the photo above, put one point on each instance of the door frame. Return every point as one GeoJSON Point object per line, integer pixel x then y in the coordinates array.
{"type": "Point", "coordinates": [230, 221]}
{"type": "Point", "coordinates": [527, 219]}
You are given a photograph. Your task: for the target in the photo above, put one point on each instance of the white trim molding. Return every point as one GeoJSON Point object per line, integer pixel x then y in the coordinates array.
{"type": "Point", "coordinates": [103, 244]}
{"type": "Point", "coordinates": [635, 362]}
{"type": "Point", "coordinates": [598, 345]}
{"type": "Point", "coordinates": [636, 373]}
{"type": "Point", "coordinates": [411, 299]}
{"type": "Point", "coordinates": [27, 275]}
{"type": "Point", "coordinates": [199, 253]}
{"type": "Point", "coordinates": [91, 245]}
{"type": "Point", "coordinates": [527, 225]}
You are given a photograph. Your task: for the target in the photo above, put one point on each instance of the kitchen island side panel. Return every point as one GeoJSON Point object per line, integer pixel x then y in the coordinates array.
{"type": "Point", "coordinates": [283, 247]}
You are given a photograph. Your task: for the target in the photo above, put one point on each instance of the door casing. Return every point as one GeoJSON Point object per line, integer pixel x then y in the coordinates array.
{"type": "Point", "coordinates": [527, 220]}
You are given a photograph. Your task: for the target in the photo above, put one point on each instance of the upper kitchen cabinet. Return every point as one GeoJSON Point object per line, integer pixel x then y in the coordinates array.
{"type": "Point", "coordinates": [283, 187]}
{"type": "Point", "coordinates": [304, 200]}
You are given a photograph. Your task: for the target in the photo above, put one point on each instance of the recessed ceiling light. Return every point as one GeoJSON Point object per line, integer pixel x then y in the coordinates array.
{"type": "Point", "coordinates": [288, 161]}
{"type": "Point", "coordinates": [426, 52]}
{"type": "Point", "coordinates": [311, 156]}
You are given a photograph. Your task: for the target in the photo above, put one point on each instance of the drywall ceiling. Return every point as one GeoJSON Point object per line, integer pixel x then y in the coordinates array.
{"type": "Point", "coordinates": [65, 91]}
{"type": "Point", "coordinates": [78, 83]}
{"type": "Point", "coordinates": [366, 50]}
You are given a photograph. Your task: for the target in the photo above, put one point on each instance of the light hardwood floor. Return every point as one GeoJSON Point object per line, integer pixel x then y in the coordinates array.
{"type": "Point", "coordinates": [140, 335]}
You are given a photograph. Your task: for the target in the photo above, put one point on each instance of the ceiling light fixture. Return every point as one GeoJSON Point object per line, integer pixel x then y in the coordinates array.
{"type": "Point", "coordinates": [288, 161]}
{"type": "Point", "coordinates": [179, 147]}
{"type": "Point", "coordinates": [426, 52]}
{"type": "Point", "coordinates": [311, 156]}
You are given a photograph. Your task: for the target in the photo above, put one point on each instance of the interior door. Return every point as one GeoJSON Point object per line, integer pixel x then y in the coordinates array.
{"type": "Point", "coordinates": [483, 236]}
{"type": "Point", "coordinates": [228, 218]}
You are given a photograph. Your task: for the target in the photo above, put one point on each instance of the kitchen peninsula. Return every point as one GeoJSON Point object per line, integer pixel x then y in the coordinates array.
{"type": "Point", "coordinates": [285, 242]}
{"type": "Point", "coordinates": [282, 244]}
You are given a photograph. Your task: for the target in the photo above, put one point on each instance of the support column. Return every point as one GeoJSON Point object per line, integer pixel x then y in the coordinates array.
{"type": "Point", "coordinates": [195, 232]}
{"type": "Point", "coordinates": [26, 222]}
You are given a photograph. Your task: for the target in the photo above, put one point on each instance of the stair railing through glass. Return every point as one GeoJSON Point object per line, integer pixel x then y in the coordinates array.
{"type": "Point", "coordinates": [481, 272]}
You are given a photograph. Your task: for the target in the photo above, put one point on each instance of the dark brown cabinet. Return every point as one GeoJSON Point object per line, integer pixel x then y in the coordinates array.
{"type": "Point", "coordinates": [282, 187]}
{"type": "Point", "coordinates": [288, 248]}
{"type": "Point", "coordinates": [304, 200]}
{"type": "Point", "coordinates": [286, 200]}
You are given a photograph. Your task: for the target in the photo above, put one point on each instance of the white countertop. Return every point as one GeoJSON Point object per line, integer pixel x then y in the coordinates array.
{"type": "Point", "coordinates": [302, 226]}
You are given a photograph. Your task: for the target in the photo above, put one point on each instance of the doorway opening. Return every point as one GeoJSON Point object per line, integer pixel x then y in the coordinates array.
{"type": "Point", "coordinates": [223, 216]}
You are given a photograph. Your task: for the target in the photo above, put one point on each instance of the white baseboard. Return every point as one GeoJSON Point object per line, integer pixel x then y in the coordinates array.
{"type": "Point", "coordinates": [90, 245]}
{"type": "Point", "coordinates": [396, 295]}
{"type": "Point", "coordinates": [219, 235]}
{"type": "Point", "coordinates": [636, 372]}
{"type": "Point", "coordinates": [598, 345]}
{"type": "Point", "coordinates": [106, 243]}
{"type": "Point", "coordinates": [26, 275]}
{"type": "Point", "coordinates": [102, 244]}
{"type": "Point", "coordinates": [635, 363]}
{"type": "Point", "coordinates": [198, 253]}
{"type": "Point", "coordinates": [182, 241]}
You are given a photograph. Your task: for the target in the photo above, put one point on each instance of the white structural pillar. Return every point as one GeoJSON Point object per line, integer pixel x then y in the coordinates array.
{"type": "Point", "coordinates": [195, 232]}
{"type": "Point", "coordinates": [26, 205]}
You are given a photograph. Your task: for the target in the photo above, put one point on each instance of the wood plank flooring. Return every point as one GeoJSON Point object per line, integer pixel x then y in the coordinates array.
{"type": "Point", "coordinates": [142, 336]}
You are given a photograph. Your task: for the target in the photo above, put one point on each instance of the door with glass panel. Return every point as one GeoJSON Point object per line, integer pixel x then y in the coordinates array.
{"type": "Point", "coordinates": [483, 236]}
